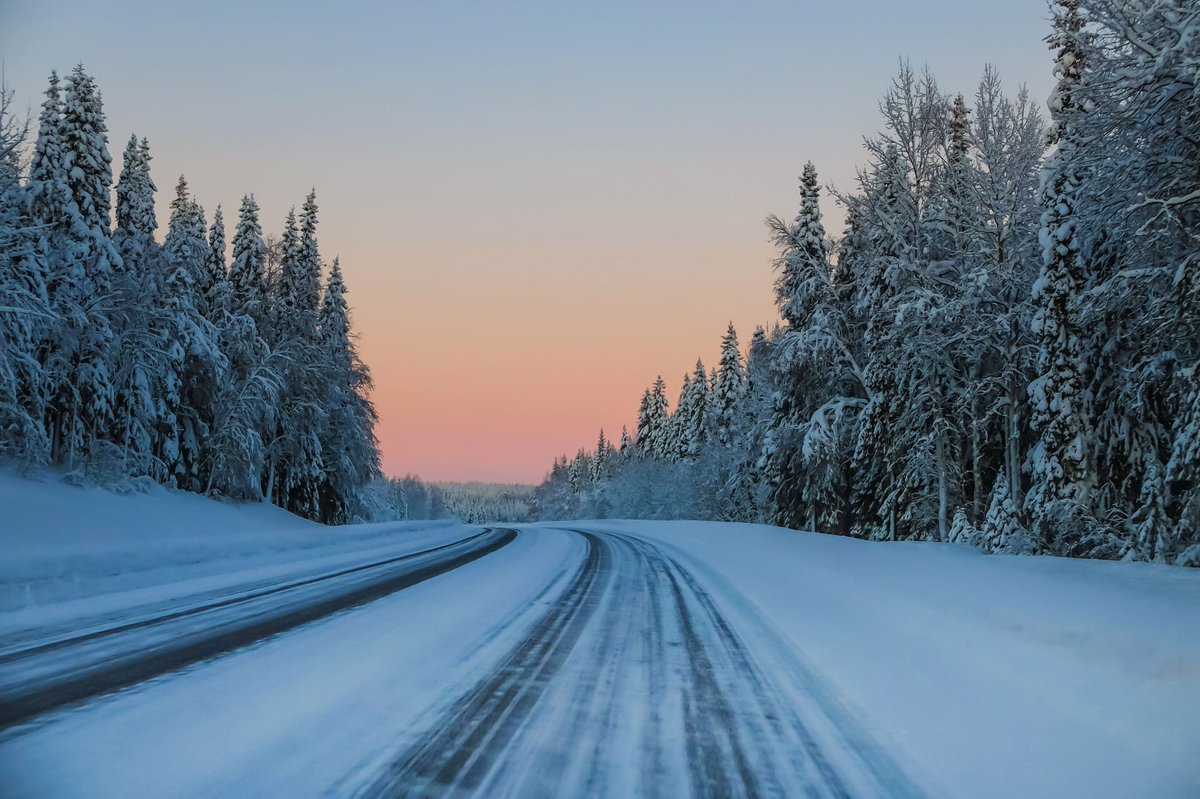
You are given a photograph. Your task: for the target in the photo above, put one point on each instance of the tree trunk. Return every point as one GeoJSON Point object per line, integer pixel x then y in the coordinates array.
{"type": "Point", "coordinates": [976, 466]}
{"type": "Point", "coordinates": [1013, 450]}
{"type": "Point", "coordinates": [943, 488]}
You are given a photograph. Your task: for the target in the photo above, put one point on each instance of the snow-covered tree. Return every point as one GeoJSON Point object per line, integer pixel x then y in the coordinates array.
{"type": "Point", "coordinates": [349, 416]}
{"type": "Point", "coordinates": [1060, 474]}
{"type": "Point", "coordinates": [24, 310]}
{"type": "Point", "coordinates": [246, 273]}
{"type": "Point", "coordinates": [729, 389]}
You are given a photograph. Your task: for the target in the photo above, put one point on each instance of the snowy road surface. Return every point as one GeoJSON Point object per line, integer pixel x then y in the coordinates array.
{"type": "Point", "coordinates": [549, 662]}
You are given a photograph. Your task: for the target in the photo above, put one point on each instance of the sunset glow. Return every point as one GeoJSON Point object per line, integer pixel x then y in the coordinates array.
{"type": "Point", "coordinates": [535, 221]}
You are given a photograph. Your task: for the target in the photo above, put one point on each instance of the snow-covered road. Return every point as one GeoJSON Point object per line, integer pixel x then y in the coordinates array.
{"type": "Point", "coordinates": [553, 662]}
{"type": "Point", "coordinates": [587, 659]}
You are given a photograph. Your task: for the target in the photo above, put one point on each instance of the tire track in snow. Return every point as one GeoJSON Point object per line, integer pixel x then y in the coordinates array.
{"type": "Point", "coordinates": [634, 683]}
{"type": "Point", "coordinates": [47, 677]}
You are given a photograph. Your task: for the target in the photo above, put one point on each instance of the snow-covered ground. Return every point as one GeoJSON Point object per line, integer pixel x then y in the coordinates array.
{"type": "Point", "coordinates": [995, 676]}
{"type": "Point", "coordinates": [74, 556]}
{"type": "Point", "coordinates": [599, 658]}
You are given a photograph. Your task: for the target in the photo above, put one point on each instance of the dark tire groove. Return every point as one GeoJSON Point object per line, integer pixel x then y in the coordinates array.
{"type": "Point", "coordinates": [455, 754]}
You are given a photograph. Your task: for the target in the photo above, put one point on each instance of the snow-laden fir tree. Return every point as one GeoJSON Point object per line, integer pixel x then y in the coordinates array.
{"type": "Point", "coordinates": [215, 271]}
{"type": "Point", "coordinates": [1060, 476]}
{"type": "Point", "coordinates": [658, 432]}
{"type": "Point", "coordinates": [1002, 530]}
{"type": "Point", "coordinates": [690, 421]}
{"type": "Point", "coordinates": [71, 180]}
{"type": "Point", "coordinates": [194, 362]}
{"type": "Point", "coordinates": [136, 220]}
{"type": "Point", "coordinates": [23, 306]}
{"type": "Point", "coordinates": [347, 429]}
{"type": "Point", "coordinates": [729, 389]}
{"type": "Point", "coordinates": [246, 272]}
{"type": "Point", "coordinates": [139, 315]}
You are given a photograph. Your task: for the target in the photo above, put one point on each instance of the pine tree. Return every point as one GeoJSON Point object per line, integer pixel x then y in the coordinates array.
{"type": "Point", "coordinates": [347, 432]}
{"type": "Point", "coordinates": [601, 461]}
{"type": "Point", "coordinates": [71, 178]}
{"type": "Point", "coordinates": [249, 262]}
{"type": "Point", "coordinates": [23, 306]}
{"type": "Point", "coordinates": [642, 442]}
{"type": "Point", "coordinates": [138, 314]}
{"type": "Point", "coordinates": [195, 362]}
{"type": "Point", "coordinates": [1058, 463]}
{"type": "Point", "coordinates": [692, 413]}
{"type": "Point", "coordinates": [658, 423]}
{"type": "Point", "coordinates": [215, 272]}
{"type": "Point", "coordinates": [308, 276]}
{"type": "Point", "coordinates": [296, 471]}
{"type": "Point", "coordinates": [1002, 531]}
{"type": "Point", "coordinates": [136, 221]}
{"type": "Point", "coordinates": [679, 425]}
{"type": "Point", "coordinates": [729, 389]}
{"type": "Point", "coordinates": [801, 460]}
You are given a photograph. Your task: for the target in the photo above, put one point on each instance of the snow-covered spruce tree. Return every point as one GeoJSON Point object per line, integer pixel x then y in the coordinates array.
{"type": "Point", "coordinates": [246, 273]}
{"type": "Point", "coordinates": [890, 217]}
{"type": "Point", "coordinates": [70, 181]}
{"type": "Point", "coordinates": [602, 461]}
{"type": "Point", "coordinates": [48, 221]}
{"type": "Point", "coordinates": [677, 448]}
{"type": "Point", "coordinates": [1002, 530]}
{"type": "Point", "coordinates": [136, 220]}
{"type": "Point", "coordinates": [817, 372]}
{"type": "Point", "coordinates": [1138, 214]}
{"type": "Point", "coordinates": [195, 364]}
{"type": "Point", "coordinates": [308, 273]}
{"type": "Point", "coordinates": [138, 315]}
{"type": "Point", "coordinates": [285, 322]}
{"type": "Point", "coordinates": [729, 389]}
{"type": "Point", "coordinates": [691, 423]}
{"type": "Point", "coordinates": [23, 306]}
{"type": "Point", "coordinates": [347, 432]}
{"type": "Point", "coordinates": [657, 430]}
{"type": "Point", "coordinates": [295, 469]}
{"type": "Point", "coordinates": [748, 486]}
{"type": "Point", "coordinates": [804, 294]}
{"type": "Point", "coordinates": [1058, 463]}
{"type": "Point", "coordinates": [642, 440]}
{"type": "Point", "coordinates": [961, 530]}
{"type": "Point", "coordinates": [215, 273]}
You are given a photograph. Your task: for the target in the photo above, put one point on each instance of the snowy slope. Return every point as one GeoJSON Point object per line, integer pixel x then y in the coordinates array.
{"type": "Point", "coordinates": [81, 556]}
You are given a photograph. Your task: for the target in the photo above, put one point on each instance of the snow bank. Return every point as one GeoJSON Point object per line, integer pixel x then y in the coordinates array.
{"type": "Point", "coordinates": [996, 676]}
{"type": "Point", "coordinates": [74, 554]}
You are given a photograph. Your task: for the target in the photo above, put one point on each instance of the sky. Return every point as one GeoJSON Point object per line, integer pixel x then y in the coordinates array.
{"type": "Point", "coordinates": [539, 206]}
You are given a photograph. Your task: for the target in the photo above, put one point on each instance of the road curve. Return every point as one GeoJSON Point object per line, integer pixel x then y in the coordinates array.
{"type": "Point", "coordinates": [633, 683]}
{"type": "Point", "coordinates": [37, 679]}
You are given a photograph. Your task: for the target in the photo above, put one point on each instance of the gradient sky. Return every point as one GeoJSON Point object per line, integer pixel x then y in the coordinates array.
{"type": "Point", "coordinates": [539, 206]}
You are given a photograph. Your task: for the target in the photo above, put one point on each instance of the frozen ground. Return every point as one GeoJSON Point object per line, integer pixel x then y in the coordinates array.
{"type": "Point", "coordinates": [595, 658]}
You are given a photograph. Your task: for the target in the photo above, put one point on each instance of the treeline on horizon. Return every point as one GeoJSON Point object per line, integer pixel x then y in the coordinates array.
{"type": "Point", "coordinates": [1002, 347]}
{"type": "Point", "coordinates": [410, 497]}
{"type": "Point", "coordinates": [125, 358]}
